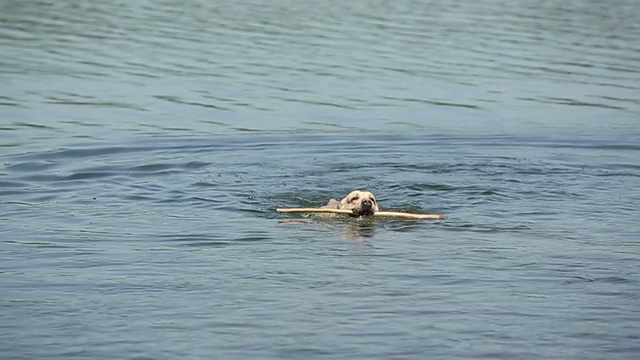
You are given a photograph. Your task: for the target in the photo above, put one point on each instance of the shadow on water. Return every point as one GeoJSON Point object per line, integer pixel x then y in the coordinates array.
{"type": "Point", "coordinates": [351, 228]}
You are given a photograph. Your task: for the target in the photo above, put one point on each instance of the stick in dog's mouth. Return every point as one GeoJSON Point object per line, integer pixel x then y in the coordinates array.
{"type": "Point", "coordinates": [361, 203]}
{"type": "Point", "coordinates": [365, 209]}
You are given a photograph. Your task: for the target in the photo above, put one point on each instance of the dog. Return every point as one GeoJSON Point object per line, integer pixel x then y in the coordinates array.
{"type": "Point", "coordinates": [362, 203]}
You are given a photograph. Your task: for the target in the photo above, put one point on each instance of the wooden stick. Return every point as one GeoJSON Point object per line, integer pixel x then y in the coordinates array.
{"type": "Point", "coordinates": [316, 210]}
{"type": "Point", "coordinates": [379, 213]}
{"type": "Point", "coordinates": [410, 215]}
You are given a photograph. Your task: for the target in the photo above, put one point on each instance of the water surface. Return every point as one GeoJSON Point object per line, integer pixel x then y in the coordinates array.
{"type": "Point", "coordinates": [144, 147]}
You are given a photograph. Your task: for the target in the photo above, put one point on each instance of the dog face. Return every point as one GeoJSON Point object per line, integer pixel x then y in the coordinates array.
{"type": "Point", "coordinates": [361, 202]}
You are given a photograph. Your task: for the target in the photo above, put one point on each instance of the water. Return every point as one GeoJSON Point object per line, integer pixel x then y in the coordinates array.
{"type": "Point", "coordinates": [145, 146]}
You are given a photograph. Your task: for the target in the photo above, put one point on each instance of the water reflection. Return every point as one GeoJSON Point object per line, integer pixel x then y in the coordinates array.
{"type": "Point", "coordinates": [357, 229]}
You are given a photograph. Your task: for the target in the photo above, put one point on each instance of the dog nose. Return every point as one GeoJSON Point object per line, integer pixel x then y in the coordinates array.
{"type": "Point", "coordinates": [366, 202]}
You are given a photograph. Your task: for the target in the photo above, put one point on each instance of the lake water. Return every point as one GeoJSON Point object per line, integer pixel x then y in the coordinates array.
{"type": "Point", "coordinates": [144, 147]}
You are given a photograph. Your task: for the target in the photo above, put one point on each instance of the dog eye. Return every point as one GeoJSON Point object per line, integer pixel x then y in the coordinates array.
{"type": "Point", "coordinates": [354, 199]}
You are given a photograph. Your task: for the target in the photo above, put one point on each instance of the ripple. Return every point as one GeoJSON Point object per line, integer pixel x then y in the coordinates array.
{"type": "Point", "coordinates": [146, 146]}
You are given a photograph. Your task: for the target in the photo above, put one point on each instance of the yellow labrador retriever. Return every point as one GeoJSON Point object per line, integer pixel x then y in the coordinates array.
{"type": "Point", "coordinates": [362, 203]}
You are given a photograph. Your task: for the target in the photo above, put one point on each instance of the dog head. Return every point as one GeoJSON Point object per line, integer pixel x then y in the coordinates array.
{"type": "Point", "coordinates": [360, 202]}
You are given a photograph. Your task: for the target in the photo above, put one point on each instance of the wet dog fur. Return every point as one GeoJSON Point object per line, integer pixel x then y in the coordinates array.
{"type": "Point", "coordinates": [362, 203]}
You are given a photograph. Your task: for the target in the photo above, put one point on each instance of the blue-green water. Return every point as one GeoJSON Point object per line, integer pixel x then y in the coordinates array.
{"type": "Point", "coordinates": [144, 147]}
